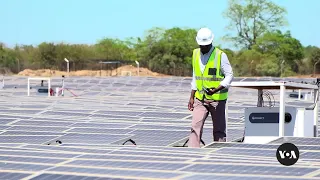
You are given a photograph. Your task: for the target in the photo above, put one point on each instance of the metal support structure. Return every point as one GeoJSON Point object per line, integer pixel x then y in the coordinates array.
{"type": "Point", "coordinates": [227, 117]}
{"type": "Point", "coordinates": [282, 110]}
{"type": "Point", "coordinates": [2, 82]}
{"type": "Point", "coordinates": [299, 94]}
{"type": "Point", "coordinates": [39, 78]}
{"type": "Point", "coordinates": [315, 112]}
{"type": "Point", "coordinates": [260, 99]}
{"type": "Point", "coordinates": [282, 86]}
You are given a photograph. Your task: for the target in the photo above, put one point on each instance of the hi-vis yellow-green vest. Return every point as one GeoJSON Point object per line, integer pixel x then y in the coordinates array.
{"type": "Point", "coordinates": [211, 76]}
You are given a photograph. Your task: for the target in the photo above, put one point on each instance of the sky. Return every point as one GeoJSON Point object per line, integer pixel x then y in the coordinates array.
{"type": "Point", "coordinates": [87, 21]}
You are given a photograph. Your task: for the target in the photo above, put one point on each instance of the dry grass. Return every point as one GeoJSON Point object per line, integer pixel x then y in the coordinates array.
{"type": "Point", "coordinates": [121, 71]}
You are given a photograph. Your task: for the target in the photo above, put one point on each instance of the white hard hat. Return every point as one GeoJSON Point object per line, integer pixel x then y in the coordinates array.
{"type": "Point", "coordinates": [204, 36]}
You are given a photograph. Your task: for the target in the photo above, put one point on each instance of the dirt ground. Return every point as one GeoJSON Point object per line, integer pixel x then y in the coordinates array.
{"type": "Point", "coordinates": [121, 71]}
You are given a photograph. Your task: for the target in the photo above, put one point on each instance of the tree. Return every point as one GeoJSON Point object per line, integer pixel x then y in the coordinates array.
{"type": "Point", "coordinates": [315, 59]}
{"type": "Point", "coordinates": [287, 49]}
{"type": "Point", "coordinates": [251, 19]}
{"type": "Point", "coordinates": [47, 54]}
{"type": "Point", "coordinates": [169, 51]}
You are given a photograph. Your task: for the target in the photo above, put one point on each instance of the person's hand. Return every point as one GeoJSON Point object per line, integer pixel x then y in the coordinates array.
{"type": "Point", "coordinates": [190, 104]}
{"type": "Point", "coordinates": [211, 91]}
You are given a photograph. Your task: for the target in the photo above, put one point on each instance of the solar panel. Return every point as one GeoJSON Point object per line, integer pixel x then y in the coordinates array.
{"type": "Point", "coordinates": [101, 125]}
{"type": "Point", "coordinates": [126, 113]}
{"type": "Point", "coordinates": [232, 177]}
{"type": "Point", "coordinates": [43, 122]}
{"type": "Point", "coordinates": [310, 155]}
{"type": "Point", "coordinates": [91, 138]}
{"type": "Point", "coordinates": [25, 139]}
{"type": "Point", "coordinates": [23, 166]}
{"type": "Point", "coordinates": [67, 149]}
{"type": "Point", "coordinates": [157, 127]}
{"type": "Point", "coordinates": [249, 152]}
{"type": "Point", "coordinates": [134, 158]}
{"type": "Point", "coordinates": [249, 169]}
{"type": "Point", "coordinates": [74, 177]}
{"type": "Point", "coordinates": [100, 130]}
{"type": "Point", "coordinates": [39, 128]}
{"type": "Point", "coordinates": [164, 115]}
{"type": "Point", "coordinates": [129, 164]}
{"type": "Point", "coordinates": [117, 172]}
{"type": "Point", "coordinates": [12, 176]}
{"type": "Point", "coordinates": [297, 141]}
{"type": "Point", "coordinates": [45, 160]}
{"type": "Point", "coordinates": [93, 126]}
{"type": "Point", "coordinates": [38, 133]}
{"type": "Point", "coordinates": [3, 127]}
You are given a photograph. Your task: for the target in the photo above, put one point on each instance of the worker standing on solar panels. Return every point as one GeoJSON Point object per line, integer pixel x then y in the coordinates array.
{"type": "Point", "coordinates": [212, 76]}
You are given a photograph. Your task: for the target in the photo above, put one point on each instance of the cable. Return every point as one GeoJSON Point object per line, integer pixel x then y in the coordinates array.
{"type": "Point", "coordinates": [269, 98]}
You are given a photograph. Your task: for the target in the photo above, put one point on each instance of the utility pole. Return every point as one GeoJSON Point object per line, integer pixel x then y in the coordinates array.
{"type": "Point", "coordinates": [138, 67]}
{"type": "Point", "coordinates": [282, 66]}
{"type": "Point", "coordinates": [65, 59]}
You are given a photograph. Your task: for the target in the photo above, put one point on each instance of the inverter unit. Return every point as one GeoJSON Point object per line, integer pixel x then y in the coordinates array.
{"type": "Point", "coordinates": [262, 123]}
{"type": "Point", "coordinates": [265, 124]}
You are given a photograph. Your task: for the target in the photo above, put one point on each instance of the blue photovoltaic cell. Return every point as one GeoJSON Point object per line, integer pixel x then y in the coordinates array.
{"type": "Point", "coordinates": [164, 115]}
{"type": "Point", "coordinates": [124, 164]}
{"type": "Point", "coordinates": [6, 116]}
{"type": "Point", "coordinates": [137, 174]}
{"type": "Point", "coordinates": [47, 122]}
{"type": "Point", "coordinates": [43, 133]}
{"type": "Point", "coordinates": [4, 121]}
{"type": "Point", "coordinates": [45, 160]}
{"type": "Point", "coordinates": [22, 166]}
{"type": "Point", "coordinates": [310, 155]}
{"type": "Point", "coordinates": [12, 176]}
{"type": "Point", "coordinates": [114, 157]}
{"type": "Point", "coordinates": [68, 149]}
{"type": "Point", "coordinates": [38, 128]}
{"type": "Point", "coordinates": [72, 177]}
{"type": "Point", "coordinates": [248, 152]}
{"type": "Point", "coordinates": [100, 130]}
{"type": "Point", "coordinates": [3, 127]}
{"type": "Point", "coordinates": [217, 177]}
{"type": "Point", "coordinates": [65, 113]}
{"type": "Point", "coordinates": [101, 125]}
{"type": "Point", "coordinates": [111, 116]}
{"type": "Point", "coordinates": [248, 169]}
{"type": "Point", "coordinates": [160, 133]}
{"type": "Point", "coordinates": [125, 113]}
{"type": "Point", "coordinates": [37, 154]}
{"type": "Point", "coordinates": [147, 126]}
{"type": "Point", "coordinates": [237, 160]}
{"type": "Point", "coordinates": [243, 145]}
{"type": "Point", "coordinates": [91, 138]}
{"type": "Point", "coordinates": [25, 139]}
{"type": "Point", "coordinates": [156, 153]}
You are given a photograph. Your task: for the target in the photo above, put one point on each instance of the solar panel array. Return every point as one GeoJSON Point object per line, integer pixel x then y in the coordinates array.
{"type": "Point", "coordinates": [82, 136]}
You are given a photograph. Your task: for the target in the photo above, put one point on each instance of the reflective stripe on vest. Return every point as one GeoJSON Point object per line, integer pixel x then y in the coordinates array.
{"type": "Point", "coordinates": [204, 80]}
{"type": "Point", "coordinates": [208, 78]}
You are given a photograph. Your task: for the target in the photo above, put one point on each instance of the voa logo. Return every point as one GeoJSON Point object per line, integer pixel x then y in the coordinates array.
{"type": "Point", "coordinates": [290, 155]}
{"type": "Point", "coordinates": [287, 154]}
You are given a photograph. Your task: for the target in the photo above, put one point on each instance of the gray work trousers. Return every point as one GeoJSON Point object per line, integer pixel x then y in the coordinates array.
{"type": "Point", "coordinates": [200, 113]}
